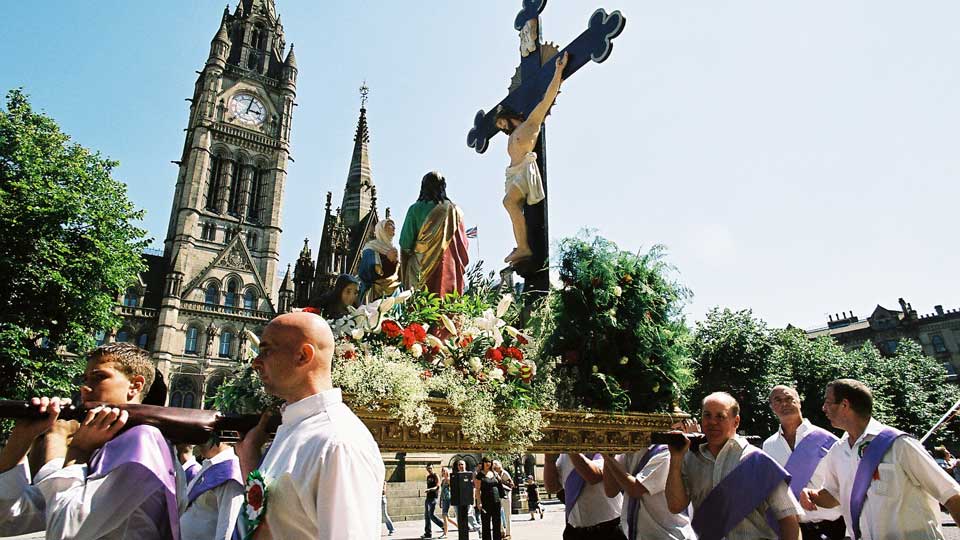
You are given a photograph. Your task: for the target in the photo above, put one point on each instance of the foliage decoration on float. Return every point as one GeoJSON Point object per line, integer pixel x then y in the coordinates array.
{"type": "Point", "coordinates": [616, 328]}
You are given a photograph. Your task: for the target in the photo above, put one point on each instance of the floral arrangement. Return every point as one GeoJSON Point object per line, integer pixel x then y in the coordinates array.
{"type": "Point", "coordinates": [616, 328]}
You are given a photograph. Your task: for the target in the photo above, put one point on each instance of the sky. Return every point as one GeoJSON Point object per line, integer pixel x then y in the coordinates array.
{"type": "Point", "coordinates": [797, 159]}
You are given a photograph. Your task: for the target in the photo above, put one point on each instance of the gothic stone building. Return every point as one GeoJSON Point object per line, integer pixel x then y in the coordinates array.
{"type": "Point", "coordinates": [216, 275]}
{"type": "Point", "coordinates": [938, 333]}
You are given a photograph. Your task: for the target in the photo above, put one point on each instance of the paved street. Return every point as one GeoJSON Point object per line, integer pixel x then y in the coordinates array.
{"type": "Point", "coordinates": [550, 527]}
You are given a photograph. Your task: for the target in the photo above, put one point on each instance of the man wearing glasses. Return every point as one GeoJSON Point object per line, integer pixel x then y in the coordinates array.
{"type": "Point", "coordinates": [883, 480]}
{"type": "Point", "coordinates": [799, 447]}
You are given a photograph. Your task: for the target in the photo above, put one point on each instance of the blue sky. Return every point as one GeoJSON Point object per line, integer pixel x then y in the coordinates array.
{"type": "Point", "coordinates": [796, 158]}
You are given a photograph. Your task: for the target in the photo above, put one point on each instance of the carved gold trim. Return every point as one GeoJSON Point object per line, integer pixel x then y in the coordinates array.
{"type": "Point", "coordinates": [565, 431]}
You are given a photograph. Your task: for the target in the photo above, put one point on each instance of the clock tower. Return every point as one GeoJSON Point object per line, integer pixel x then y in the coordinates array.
{"type": "Point", "coordinates": [221, 251]}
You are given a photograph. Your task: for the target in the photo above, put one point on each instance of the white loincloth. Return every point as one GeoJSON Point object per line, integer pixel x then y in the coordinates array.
{"type": "Point", "coordinates": [526, 177]}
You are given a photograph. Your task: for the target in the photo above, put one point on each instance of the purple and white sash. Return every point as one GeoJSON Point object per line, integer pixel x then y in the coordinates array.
{"type": "Point", "coordinates": [572, 487]}
{"type": "Point", "coordinates": [633, 505]}
{"type": "Point", "coordinates": [806, 456]}
{"type": "Point", "coordinates": [191, 471]}
{"type": "Point", "coordinates": [214, 477]}
{"type": "Point", "coordinates": [872, 456]}
{"type": "Point", "coordinates": [142, 446]}
{"type": "Point", "coordinates": [736, 495]}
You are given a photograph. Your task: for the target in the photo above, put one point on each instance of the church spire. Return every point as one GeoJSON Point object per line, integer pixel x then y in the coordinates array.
{"type": "Point", "coordinates": [357, 197]}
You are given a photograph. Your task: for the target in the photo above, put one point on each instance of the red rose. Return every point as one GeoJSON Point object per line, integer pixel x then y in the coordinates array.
{"type": "Point", "coordinates": [255, 497]}
{"type": "Point", "coordinates": [418, 332]}
{"type": "Point", "coordinates": [495, 355]}
{"type": "Point", "coordinates": [514, 352]}
{"type": "Point", "coordinates": [409, 337]}
{"type": "Point", "coordinates": [522, 340]}
{"type": "Point", "coordinates": [347, 355]}
{"type": "Point", "coordinates": [313, 310]}
{"type": "Point", "coordinates": [391, 328]}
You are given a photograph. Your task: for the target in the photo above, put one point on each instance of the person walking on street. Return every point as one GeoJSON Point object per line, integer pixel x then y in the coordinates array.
{"type": "Point", "coordinates": [430, 504]}
{"type": "Point", "coordinates": [533, 498]}
{"type": "Point", "coordinates": [445, 500]}
{"type": "Point", "coordinates": [506, 503]}
{"type": "Point", "coordinates": [487, 495]}
{"type": "Point", "coordinates": [383, 509]}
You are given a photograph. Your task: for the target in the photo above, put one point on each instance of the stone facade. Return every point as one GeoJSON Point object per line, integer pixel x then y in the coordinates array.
{"type": "Point", "coordinates": [216, 275]}
{"type": "Point", "coordinates": [938, 332]}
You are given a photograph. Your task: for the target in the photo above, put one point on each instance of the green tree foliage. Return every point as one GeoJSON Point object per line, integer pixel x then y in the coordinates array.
{"type": "Point", "coordinates": [736, 352]}
{"type": "Point", "coordinates": [732, 353]}
{"type": "Point", "coordinates": [617, 328]}
{"type": "Point", "coordinates": [68, 247]}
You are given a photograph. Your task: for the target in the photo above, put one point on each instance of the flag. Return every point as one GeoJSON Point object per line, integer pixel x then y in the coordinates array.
{"type": "Point", "coordinates": [472, 232]}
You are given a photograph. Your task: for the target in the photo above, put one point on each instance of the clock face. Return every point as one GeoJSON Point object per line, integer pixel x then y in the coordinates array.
{"type": "Point", "coordinates": [248, 109]}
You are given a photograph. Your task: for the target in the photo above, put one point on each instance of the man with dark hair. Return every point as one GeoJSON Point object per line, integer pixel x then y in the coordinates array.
{"type": "Point", "coordinates": [799, 447]}
{"type": "Point", "coordinates": [883, 480]}
{"type": "Point", "coordinates": [104, 483]}
{"type": "Point", "coordinates": [734, 487]}
{"type": "Point", "coordinates": [430, 503]}
{"type": "Point", "coordinates": [433, 241]}
{"type": "Point", "coordinates": [524, 184]}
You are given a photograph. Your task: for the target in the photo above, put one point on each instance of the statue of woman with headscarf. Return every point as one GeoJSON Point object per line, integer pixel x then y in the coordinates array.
{"type": "Point", "coordinates": [379, 263]}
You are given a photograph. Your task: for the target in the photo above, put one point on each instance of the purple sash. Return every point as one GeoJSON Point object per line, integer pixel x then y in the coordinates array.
{"type": "Point", "coordinates": [191, 471]}
{"type": "Point", "coordinates": [572, 487]}
{"type": "Point", "coordinates": [806, 456]}
{"type": "Point", "coordinates": [215, 476]}
{"type": "Point", "coordinates": [143, 446]}
{"type": "Point", "coordinates": [738, 494]}
{"type": "Point", "coordinates": [876, 448]}
{"type": "Point", "coordinates": [633, 505]}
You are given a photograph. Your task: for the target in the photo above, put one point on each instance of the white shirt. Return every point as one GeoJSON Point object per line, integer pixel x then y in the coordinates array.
{"type": "Point", "coordinates": [21, 504]}
{"type": "Point", "coordinates": [654, 519]}
{"type": "Point", "coordinates": [324, 473]}
{"type": "Point", "coordinates": [592, 506]}
{"type": "Point", "coordinates": [213, 514]}
{"type": "Point", "coordinates": [778, 448]}
{"type": "Point", "coordinates": [121, 505]}
{"type": "Point", "coordinates": [902, 504]}
{"type": "Point", "coordinates": [702, 471]}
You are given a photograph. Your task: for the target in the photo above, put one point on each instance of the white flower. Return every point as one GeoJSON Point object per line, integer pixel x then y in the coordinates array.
{"type": "Point", "coordinates": [532, 365]}
{"type": "Point", "coordinates": [403, 296]}
{"type": "Point", "coordinates": [511, 330]}
{"type": "Point", "coordinates": [490, 324]}
{"type": "Point", "coordinates": [617, 291]}
{"type": "Point", "coordinates": [496, 374]}
{"type": "Point", "coordinates": [387, 304]}
{"type": "Point", "coordinates": [448, 324]}
{"type": "Point", "coordinates": [357, 334]}
{"type": "Point", "coordinates": [474, 363]}
{"type": "Point", "coordinates": [504, 305]}
{"type": "Point", "coordinates": [434, 342]}
{"type": "Point", "coordinates": [416, 350]}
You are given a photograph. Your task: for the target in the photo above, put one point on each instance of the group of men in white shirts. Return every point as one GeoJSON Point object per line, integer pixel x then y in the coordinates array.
{"type": "Point", "coordinates": [321, 477]}
{"type": "Point", "coordinates": [323, 474]}
{"type": "Point", "coordinates": [873, 483]}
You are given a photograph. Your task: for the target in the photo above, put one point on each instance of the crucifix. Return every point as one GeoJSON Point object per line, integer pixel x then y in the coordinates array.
{"type": "Point", "coordinates": [528, 88]}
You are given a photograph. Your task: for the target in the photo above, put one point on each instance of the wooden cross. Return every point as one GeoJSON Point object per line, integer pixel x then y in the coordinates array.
{"type": "Point", "coordinates": [527, 89]}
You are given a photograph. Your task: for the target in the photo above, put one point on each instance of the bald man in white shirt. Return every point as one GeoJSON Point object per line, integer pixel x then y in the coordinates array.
{"type": "Point", "coordinates": [324, 473]}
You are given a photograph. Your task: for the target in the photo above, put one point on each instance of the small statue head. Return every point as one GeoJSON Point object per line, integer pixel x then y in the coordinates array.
{"type": "Point", "coordinates": [507, 119]}
{"type": "Point", "coordinates": [433, 188]}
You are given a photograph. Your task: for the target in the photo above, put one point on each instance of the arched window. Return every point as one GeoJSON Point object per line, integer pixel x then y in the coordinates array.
{"type": "Point", "coordinates": [253, 208]}
{"type": "Point", "coordinates": [131, 298]}
{"type": "Point", "coordinates": [212, 295]}
{"type": "Point", "coordinates": [234, 203]}
{"type": "Point", "coordinates": [183, 392]}
{"type": "Point", "coordinates": [230, 300]}
{"type": "Point", "coordinates": [142, 340]}
{"type": "Point", "coordinates": [250, 300]}
{"type": "Point", "coordinates": [191, 345]}
{"type": "Point", "coordinates": [226, 339]}
{"type": "Point", "coordinates": [123, 336]}
{"type": "Point", "coordinates": [100, 337]}
{"type": "Point", "coordinates": [213, 181]}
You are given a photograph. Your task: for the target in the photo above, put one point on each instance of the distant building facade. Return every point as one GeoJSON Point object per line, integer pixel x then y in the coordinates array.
{"type": "Point", "coordinates": [938, 333]}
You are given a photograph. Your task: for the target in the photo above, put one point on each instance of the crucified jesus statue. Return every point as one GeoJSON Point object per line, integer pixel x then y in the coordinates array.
{"type": "Point", "coordinates": [523, 183]}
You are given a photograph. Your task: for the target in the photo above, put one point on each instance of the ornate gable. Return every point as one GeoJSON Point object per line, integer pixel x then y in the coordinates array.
{"type": "Point", "coordinates": [234, 258]}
